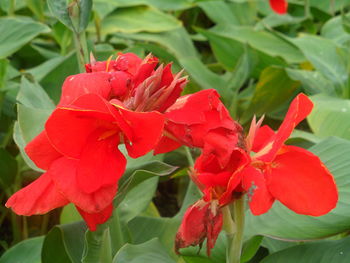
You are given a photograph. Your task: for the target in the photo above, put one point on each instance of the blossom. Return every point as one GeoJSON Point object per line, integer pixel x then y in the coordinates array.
{"type": "Point", "coordinates": [292, 175]}
{"type": "Point", "coordinates": [204, 219]}
{"type": "Point", "coordinates": [265, 169]}
{"type": "Point", "coordinates": [115, 102]}
{"type": "Point", "coordinates": [200, 120]}
{"type": "Point", "coordinates": [279, 6]}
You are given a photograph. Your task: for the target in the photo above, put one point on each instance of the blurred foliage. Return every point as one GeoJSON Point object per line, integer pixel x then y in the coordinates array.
{"type": "Point", "coordinates": [257, 60]}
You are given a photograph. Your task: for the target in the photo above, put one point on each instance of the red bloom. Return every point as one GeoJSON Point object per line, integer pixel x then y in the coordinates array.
{"type": "Point", "coordinates": [292, 175]}
{"type": "Point", "coordinates": [201, 120]}
{"type": "Point", "coordinates": [279, 6]}
{"type": "Point", "coordinates": [116, 102]}
{"type": "Point", "coordinates": [203, 220]}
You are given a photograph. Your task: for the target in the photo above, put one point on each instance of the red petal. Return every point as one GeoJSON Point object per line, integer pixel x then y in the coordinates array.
{"type": "Point", "coordinates": [300, 181]}
{"type": "Point", "coordinates": [201, 220]}
{"type": "Point", "coordinates": [165, 145]}
{"type": "Point", "coordinates": [63, 173]}
{"type": "Point", "coordinates": [145, 70]}
{"type": "Point", "coordinates": [299, 109]}
{"type": "Point", "coordinates": [254, 182]}
{"type": "Point", "coordinates": [85, 83]}
{"type": "Point", "coordinates": [263, 136]}
{"type": "Point", "coordinates": [39, 197]}
{"type": "Point", "coordinates": [69, 128]}
{"type": "Point", "coordinates": [279, 6]}
{"type": "Point", "coordinates": [146, 127]}
{"type": "Point", "coordinates": [128, 62]}
{"type": "Point", "coordinates": [92, 220]}
{"type": "Point", "coordinates": [101, 164]}
{"type": "Point", "coordinates": [190, 109]}
{"type": "Point", "coordinates": [41, 152]}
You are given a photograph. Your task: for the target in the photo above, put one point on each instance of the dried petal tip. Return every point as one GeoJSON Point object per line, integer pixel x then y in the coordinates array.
{"type": "Point", "coordinates": [203, 220]}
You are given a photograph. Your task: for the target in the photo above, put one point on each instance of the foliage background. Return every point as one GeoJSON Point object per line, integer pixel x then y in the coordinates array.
{"type": "Point", "coordinates": [257, 60]}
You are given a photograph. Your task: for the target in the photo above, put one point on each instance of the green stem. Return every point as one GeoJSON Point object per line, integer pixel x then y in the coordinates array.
{"type": "Point", "coordinates": [12, 7]}
{"type": "Point", "coordinates": [81, 49]}
{"type": "Point", "coordinates": [229, 227]}
{"type": "Point", "coordinates": [307, 8]}
{"type": "Point", "coordinates": [189, 156]}
{"type": "Point", "coordinates": [235, 248]}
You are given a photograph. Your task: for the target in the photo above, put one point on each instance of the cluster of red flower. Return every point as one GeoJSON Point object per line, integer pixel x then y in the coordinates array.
{"type": "Point", "coordinates": [133, 102]}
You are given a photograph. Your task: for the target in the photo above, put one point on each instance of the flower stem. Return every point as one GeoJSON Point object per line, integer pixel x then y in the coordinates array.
{"type": "Point", "coordinates": [189, 156]}
{"type": "Point", "coordinates": [235, 248]}
{"type": "Point", "coordinates": [81, 49]}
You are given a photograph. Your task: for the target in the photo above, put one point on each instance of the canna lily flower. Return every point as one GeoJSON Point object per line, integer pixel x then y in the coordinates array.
{"type": "Point", "coordinates": [279, 6]}
{"type": "Point", "coordinates": [273, 171]}
{"type": "Point", "coordinates": [292, 175]}
{"type": "Point", "coordinates": [200, 120]}
{"type": "Point", "coordinates": [204, 219]}
{"type": "Point", "coordinates": [115, 102]}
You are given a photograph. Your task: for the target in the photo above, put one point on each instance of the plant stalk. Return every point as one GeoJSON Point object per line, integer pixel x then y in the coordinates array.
{"type": "Point", "coordinates": [235, 246]}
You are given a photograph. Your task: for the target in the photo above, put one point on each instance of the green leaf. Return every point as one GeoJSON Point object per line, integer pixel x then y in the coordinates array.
{"type": "Point", "coordinates": [59, 9]}
{"type": "Point", "coordinates": [285, 224]}
{"type": "Point", "coordinates": [37, 7]}
{"type": "Point", "coordinates": [137, 199]}
{"type": "Point", "coordinates": [95, 244]}
{"type": "Point", "coordinates": [69, 214]}
{"type": "Point", "coordinates": [330, 117]}
{"type": "Point", "coordinates": [227, 51]}
{"type": "Point", "coordinates": [27, 251]}
{"type": "Point", "coordinates": [8, 169]}
{"type": "Point", "coordinates": [325, 56]}
{"type": "Point", "coordinates": [138, 174]}
{"type": "Point", "coordinates": [263, 41]}
{"type": "Point", "coordinates": [250, 248]}
{"type": "Point", "coordinates": [321, 252]}
{"type": "Point", "coordinates": [85, 7]}
{"type": "Point", "coordinates": [34, 108]}
{"type": "Point", "coordinates": [178, 43]}
{"type": "Point", "coordinates": [137, 19]}
{"type": "Point", "coordinates": [313, 82]}
{"type": "Point", "coordinates": [16, 32]}
{"type": "Point", "coordinates": [329, 6]}
{"type": "Point", "coordinates": [334, 30]}
{"type": "Point", "coordinates": [150, 251]}
{"type": "Point", "coordinates": [33, 96]}
{"type": "Point", "coordinates": [64, 244]}
{"type": "Point", "coordinates": [273, 89]}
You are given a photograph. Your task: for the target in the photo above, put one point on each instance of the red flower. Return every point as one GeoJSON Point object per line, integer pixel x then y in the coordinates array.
{"type": "Point", "coordinates": [115, 102]}
{"type": "Point", "coordinates": [292, 175]}
{"type": "Point", "coordinates": [201, 120]}
{"type": "Point", "coordinates": [203, 220]}
{"type": "Point", "coordinates": [279, 6]}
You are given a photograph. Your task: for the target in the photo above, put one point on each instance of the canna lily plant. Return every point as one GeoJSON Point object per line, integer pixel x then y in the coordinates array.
{"type": "Point", "coordinates": [264, 169]}
{"type": "Point", "coordinates": [136, 102]}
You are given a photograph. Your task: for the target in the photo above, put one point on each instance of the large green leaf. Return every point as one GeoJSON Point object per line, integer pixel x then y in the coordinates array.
{"type": "Point", "coordinates": [152, 251]}
{"type": "Point", "coordinates": [330, 117]}
{"type": "Point", "coordinates": [27, 251]}
{"type": "Point", "coordinates": [316, 252]}
{"type": "Point", "coordinates": [273, 89]}
{"type": "Point", "coordinates": [313, 82]}
{"type": "Point", "coordinates": [329, 6]}
{"type": "Point", "coordinates": [64, 244]}
{"type": "Point", "coordinates": [178, 43]}
{"type": "Point", "coordinates": [16, 32]}
{"type": "Point", "coordinates": [325, 56]}
{"type": "Point", "coordinates": [137, 19]}
{"type": "Point", "coordinates": [334, 30]}
{"type": "Point", "coordinates": [261, 40]}
{"type": "Point", "coordinates": [283, 223]}
{"type": "Point", "coordinates": [34, 107]}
